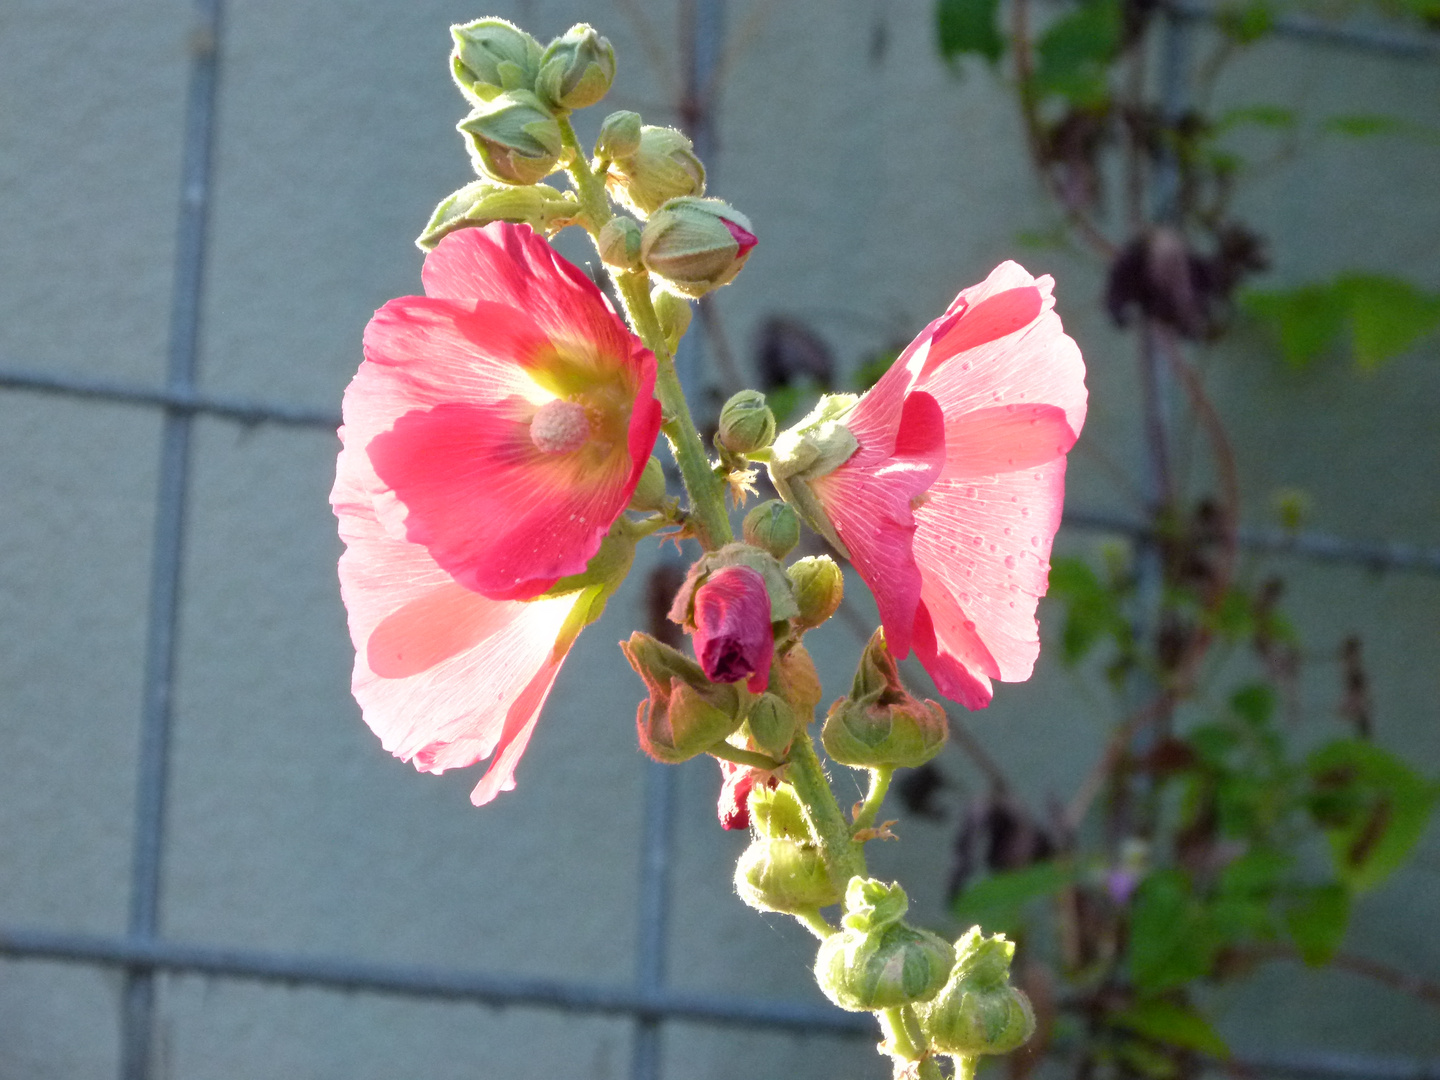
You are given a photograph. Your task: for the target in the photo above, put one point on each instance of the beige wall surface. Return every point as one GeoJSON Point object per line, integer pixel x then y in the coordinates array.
{"type": "Point", "coordinates": [879, 185]}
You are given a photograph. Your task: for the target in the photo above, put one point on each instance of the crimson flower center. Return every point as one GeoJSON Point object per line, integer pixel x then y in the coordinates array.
{"type": "Point", "coordinates": [559, 427]}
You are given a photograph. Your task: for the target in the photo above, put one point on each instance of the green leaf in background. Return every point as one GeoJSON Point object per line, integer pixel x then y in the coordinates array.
{"type": "Point", "coordinates": [1092, 609]}
{"type": "Point", "coordinates": [1384, 317]}
{"type": "Point", "coordinates": [1370, 125]}
{"type": "Point", "coordinates": [1173, 1024]}
{"type": "Point", "coordinates": [1387, 315]}
{"type": "Point", "coordinates": [1307, 320]}
{"type": "Point", "coordinates": [1269, 116]}
{"type": "Point", "coordinates": [968, 26]}
{"type": "Point", "coordinates": [1384, 807]}
{"type": "Point", "coordinates": [1171, 940]}
{"type": "Point", "coordinates": [1246, 22]}
{"type": "Point", "coordinates": [996, 902]}
{"type": "Point", "coordinates": [1316, 919]}
{"type": "Point", "coordinates": [1074, 53]}
{"type": "Point", "coordinates": [1254, 703]}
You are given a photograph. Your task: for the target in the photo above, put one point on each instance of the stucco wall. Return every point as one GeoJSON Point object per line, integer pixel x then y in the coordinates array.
{"type": "Point", "coordinates": [879, 186]}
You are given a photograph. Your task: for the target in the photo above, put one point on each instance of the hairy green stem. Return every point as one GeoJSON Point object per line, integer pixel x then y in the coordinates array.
{"type": "Point", "coordinates": [844, 858]}
{"type": "Point", "coordinates": [707, 492]}
{"type": "Point", "coordinates": [879, 785]}
{"type": "Point", "coordinates": [815, 923]}
{"type": "Point", "coordinates": [902, 1032]}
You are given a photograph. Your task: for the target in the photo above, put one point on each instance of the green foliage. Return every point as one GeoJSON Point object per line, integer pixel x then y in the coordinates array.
{"type": "Point", "coordinates": [1093, 609]}
{"type": "Point", "coordinates": [968, 27]}
{"type": "Point", "coordinates": [1383, 316]}
{"type": "Point", "coordinates": [1246, 23]}
{"type": "Point", "coordinates": [1274, 117]}
{"type": "Point", "coordinates": [1173, 1024]}
{"type": "Point", "coordinates": [998, 901]}
{"type": "Point", "coordinates": [1173, 940]}
{"type": "Point", "coordinates": [1316, 919]}
{"type": "Point", "coordinates": [1372, 806]}
{"type": "Point", "coordinates": [1075, 52]}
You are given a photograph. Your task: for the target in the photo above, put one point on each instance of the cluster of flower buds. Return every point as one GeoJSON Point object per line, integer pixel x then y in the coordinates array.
{"type": "Point", "coordinates": [520, 94]}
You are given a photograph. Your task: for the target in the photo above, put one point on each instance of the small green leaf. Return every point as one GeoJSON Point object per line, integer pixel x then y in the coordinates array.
{"type": "Point", "coordinates": [1373, 806]}
{"type": "Point", "coordinates": [1075, 52]}
{"type": "Point", "coordinates": [1316, 919]}
{"type": "Point", "coordinates": [1171, 941]}
{"type": "Point", "coordinates": [1307, 320]}
{"type": "Point", "coordinates": [996, 902]}
{"type": "Point", "coordinates": [1246, 23]}
{"type": "Point", "coordinates": [1387, 315]}
{"type": "Point", "coordinates": [1256, 872]}
{"type": "Point", "coordinates": [1270, 116]}
{"type": "Point", "coordinates": [1173, 1024]}
{"type": "Point", "coordinates": [1092, 609]}
{"type": "Point", "coordinates": [968, 26]}
{"type": "Point", "coordinates": [1254, 703]}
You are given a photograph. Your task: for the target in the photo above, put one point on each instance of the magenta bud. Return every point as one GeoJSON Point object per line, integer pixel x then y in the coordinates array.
{"type": "Point", "coordinates": [737, 781]}
{"type": "Point", "coordinates": [733, 638]}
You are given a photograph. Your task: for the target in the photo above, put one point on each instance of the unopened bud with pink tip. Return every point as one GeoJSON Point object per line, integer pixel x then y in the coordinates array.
{"type": "Point", "coordinates": [696, 245]}
{"type": "Point", "coordinates": [733, 637]}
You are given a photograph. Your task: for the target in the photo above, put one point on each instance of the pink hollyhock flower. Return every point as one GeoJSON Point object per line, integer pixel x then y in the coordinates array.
{"type": "Point", "coordinates": [506, 415]}
{"type": "Point", "coordinates": [949, 505]}
{"type": "Point", "coordinates": [733, 636]}
{"type": "Point", "coordinates": [493, 434]}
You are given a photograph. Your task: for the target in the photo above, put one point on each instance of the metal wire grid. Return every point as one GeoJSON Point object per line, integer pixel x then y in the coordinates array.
{"type": "Point", "coordinates": [143, 954]}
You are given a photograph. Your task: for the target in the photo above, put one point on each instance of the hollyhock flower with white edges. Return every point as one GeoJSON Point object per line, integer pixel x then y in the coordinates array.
{"type": "Point", "coordinates": [944, 483]}
{"type": "Point", "coordinates": [493, 435]}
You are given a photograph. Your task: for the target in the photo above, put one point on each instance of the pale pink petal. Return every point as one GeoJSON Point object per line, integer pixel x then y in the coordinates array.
{"type": "Point", "coordinates": [512, 266]}
{"type": "Point", "coordinates": [996, 316]}
{"type": "Point", "coordinates": [1037, 364]}
{"type": "Point", "coordinates": [983, 547]}
{"type": "Point", "coordinates": [869, 501]}
{"type": "Point", "coordinates": [1005, 439]}
{"type": "Point", "coordinates": [449, 693]}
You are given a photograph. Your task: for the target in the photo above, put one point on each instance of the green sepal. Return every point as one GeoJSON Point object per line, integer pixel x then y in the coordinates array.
{"type": "Point", "coordinates": [815, 447]}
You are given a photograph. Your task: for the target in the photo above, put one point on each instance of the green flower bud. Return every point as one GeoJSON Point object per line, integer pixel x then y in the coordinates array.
{"type": "Point", "coordinates": [619, 135]}
{"type": "Point", "coordinates": [482, 201]}
{"type": "Point", "coordinates": [674, 314]}
{"type": "Point", "coordinates": [576, 69]}
{"type": "Point", "coordinates": [772, 725]}
{"type": "Point", "coordinates": [783, 875]}
{"type": "Point", "coordinates": [662, 167]}
{"type": "Point", "coordinates": [512, 138]}
{"type": "Point", "coordinates": [877, 961]}
{"type": "Point", "coordinates": [650, 493]}
{"type": "Point", "coordinates": [881, 723]}
{"type": "Point", "coordinates": [978, 1011]}
{"type": "Point", "coordinates": [773, 526]}
{"type": "Point", "coordinates": [619, 244]}
{"type": "Point", "coordinates": [819, 587]}
{"type": "Point", "coordinates": [746, 423]}
{"type": "Point", "coordinates": [696, 245]}
{"type": "Point", "coordinates": [793, 677]}
{"type": "Point", "coordinates": [815, 447]}
{"type": "Point", "coordinates": [685, 714]}
{"type": "Point", "coordinates": [777, 814]}
{"type": "Point", "coordinates": [492, 56]}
